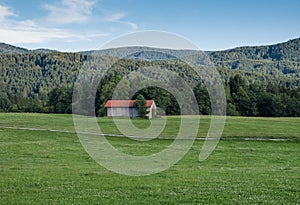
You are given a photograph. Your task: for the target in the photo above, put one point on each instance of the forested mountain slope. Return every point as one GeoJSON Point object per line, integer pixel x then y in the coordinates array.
{"type": "Point", "coordinates": [9, 49]}
{"type": "Point", "coordinates": [28, 78]}
{"type": "Point", "coordinates": [279, 59]}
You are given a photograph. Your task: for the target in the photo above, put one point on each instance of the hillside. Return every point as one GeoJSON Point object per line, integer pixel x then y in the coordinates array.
{"type": "Point", "coordinates": [28, 77]}
{"type": "Point", "coordinates": [280, 59]}
{"type": "Point", "coordinates": [9, 49]}
{"type": "Point", "coordinates": [143, 53]}
{"type": "Point", "coordinates": [283, 58]}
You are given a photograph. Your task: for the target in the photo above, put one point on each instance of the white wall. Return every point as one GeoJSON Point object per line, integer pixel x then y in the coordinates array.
{"type": "Point", "coordinates": [122, 111]}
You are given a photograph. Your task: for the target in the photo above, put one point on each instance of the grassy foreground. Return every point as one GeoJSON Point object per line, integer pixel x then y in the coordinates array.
{"type": "Point", "coordinates": [42, 167]}
{"type": "Point", "coordinates": [235, 127]}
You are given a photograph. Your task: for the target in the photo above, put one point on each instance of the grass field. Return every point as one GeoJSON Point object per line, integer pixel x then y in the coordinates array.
{"type": "Point", "coordinates": [46, 167]}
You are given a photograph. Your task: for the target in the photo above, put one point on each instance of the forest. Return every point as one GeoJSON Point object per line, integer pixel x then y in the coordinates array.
{"type": "Point", "coordinates": [258, 81]}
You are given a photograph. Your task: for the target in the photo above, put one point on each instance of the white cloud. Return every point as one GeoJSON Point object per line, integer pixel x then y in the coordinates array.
{"type": "Point", "coordinates": [70, 11]}
{"type": "Point", "coordinates": [14, 36]}
{"type": "Point", "coordinates": [117, 18]}
{"type": "Point", "coordinates": [131, 24]}
{"type": "Point", "coordinates": [26, 32]}
{"type": "Point", "coordinates": [30, 31]}
{"type": "Point", "coordinates": [34, 31]}
{"type": "Point", "coordinates": [5, 12]}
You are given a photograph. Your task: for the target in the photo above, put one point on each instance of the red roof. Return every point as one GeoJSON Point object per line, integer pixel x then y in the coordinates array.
{"type": "Point", "coordinates": [125, 103]}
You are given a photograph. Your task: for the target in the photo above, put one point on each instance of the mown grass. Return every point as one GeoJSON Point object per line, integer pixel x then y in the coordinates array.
{"type": "Point", "coordinates": [257, 127]}
{"type": "Point", "coordinates": [43, 167]}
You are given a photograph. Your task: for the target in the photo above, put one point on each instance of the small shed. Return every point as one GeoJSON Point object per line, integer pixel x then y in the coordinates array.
{"type": "Point", "coordinates": [125, 108]}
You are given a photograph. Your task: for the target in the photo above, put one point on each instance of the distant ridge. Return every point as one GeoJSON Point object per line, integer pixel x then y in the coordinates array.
{"type": "Point", "coordinates": [285, 49]}
{"type": "Point", "coordinates": [43, 50]}
{"type": "Point", "coordinates": [9, 49]}
{"type": "Point", "coordinates": [277, 59]}
{"type": "Point", "coordinates": [281, 57]}
{"type": "Point", "coordinates": [289, 49]}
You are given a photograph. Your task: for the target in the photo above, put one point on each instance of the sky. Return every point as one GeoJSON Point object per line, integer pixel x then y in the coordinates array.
{"type": "Point", "coordinates": [77, 25]}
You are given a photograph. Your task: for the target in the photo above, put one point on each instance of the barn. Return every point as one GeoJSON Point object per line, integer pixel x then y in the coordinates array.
{"type": "Point", "coordinates": [118, 108]}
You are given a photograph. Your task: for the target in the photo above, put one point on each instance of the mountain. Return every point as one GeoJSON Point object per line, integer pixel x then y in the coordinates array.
{"type": "Point", "coordinates": [43, 50]}
{"type": "Point", "coordinates": [278, 59]}
{"type": "Point", "coordinates": [261, 75]}
{"type": "Point", "coordinates": [282, 58]}
{"type": "Point", "coordinates": [9, 49]}
{"type": "Point", "coordinates": [287, 50]}
{"type": "Point", "coordinates": [143, 53]}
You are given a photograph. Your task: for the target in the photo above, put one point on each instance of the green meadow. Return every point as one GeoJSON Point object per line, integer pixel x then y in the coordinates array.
{"type": "Point", "coordinates": [43, 165]}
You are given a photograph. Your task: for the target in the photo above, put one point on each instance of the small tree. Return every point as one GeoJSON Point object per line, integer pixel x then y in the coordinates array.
{"type": "Point", "coordinates": [140, 104]}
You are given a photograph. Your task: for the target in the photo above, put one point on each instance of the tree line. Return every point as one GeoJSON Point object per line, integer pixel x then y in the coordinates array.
{"type": "Point", "coordinates": [242, 99]}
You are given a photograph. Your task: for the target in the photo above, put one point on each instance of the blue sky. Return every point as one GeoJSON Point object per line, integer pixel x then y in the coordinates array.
{"type": "Point", "coordinates": [73, 25]}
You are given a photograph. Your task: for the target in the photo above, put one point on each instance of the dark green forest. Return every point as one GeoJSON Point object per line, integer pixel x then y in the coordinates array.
{"type": "Point", "coordinates": [258, 81]}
